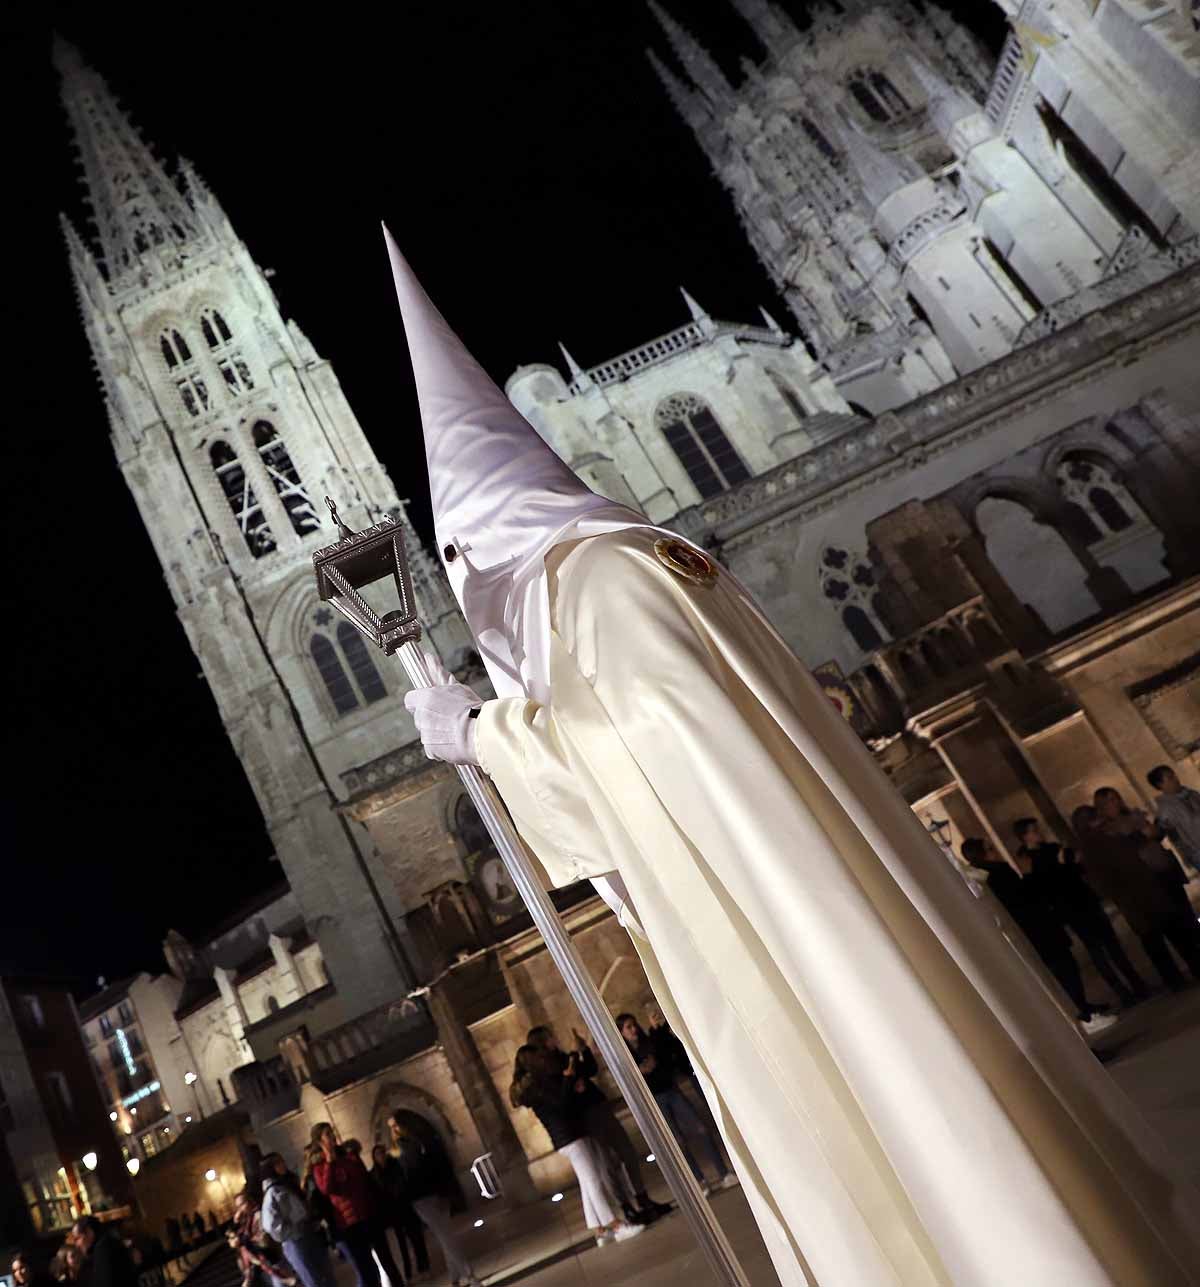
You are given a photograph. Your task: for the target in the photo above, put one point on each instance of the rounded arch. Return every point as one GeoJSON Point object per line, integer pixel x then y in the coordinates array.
{"type": "Point", "coordinates": [1037, 563]}
{"type": "Point", "coordinates": [405, 1097]}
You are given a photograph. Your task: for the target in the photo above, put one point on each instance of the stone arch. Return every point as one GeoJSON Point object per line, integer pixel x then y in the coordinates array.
{"type": "Point", "coordinates": [393, 1095]}
{"type": "Point", "coordinates": [1037, 563]}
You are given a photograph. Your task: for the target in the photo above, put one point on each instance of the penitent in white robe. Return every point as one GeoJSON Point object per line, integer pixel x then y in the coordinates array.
{"type": "Point", "coordinates": [901, 1101]}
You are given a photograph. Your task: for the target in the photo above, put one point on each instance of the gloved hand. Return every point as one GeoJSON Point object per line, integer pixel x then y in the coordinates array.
{"type": "Point", "coordinates": [442, 716]}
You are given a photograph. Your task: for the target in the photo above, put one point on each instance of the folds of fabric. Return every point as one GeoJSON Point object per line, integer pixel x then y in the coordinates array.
{"type": "Point", "coordinates": [874, 1053]}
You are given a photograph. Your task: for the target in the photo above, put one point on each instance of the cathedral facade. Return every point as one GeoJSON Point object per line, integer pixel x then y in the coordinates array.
{"type": "Point", "coordinates": [960, 479]}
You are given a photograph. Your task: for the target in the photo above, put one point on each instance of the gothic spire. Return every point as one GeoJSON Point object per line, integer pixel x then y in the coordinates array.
{"type": "Point", "coordinates": [135, 206]}
{"type": "Point", "coordinates": [697, 61]}
{"type": "Point", "coordinates": [879, 173]}
{"type": "Point", "coordinates": [699, 315]}
{"type": "Point", "coordinates": [769, 23]}
{"type": "Point", "coordinates": [579, 377]}
{"type": "Point", "coordinates": [683, 99]}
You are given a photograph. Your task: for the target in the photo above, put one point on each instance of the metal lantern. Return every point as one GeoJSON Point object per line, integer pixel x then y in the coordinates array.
{"type": "Point", "coordinates": [358, 560]}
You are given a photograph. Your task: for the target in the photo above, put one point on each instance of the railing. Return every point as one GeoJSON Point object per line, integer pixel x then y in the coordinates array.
{"type": "Point", "coordinates": [372, 1041]}
{"type": "Point", "coordinates": [929, 665]}
{"type": "Point", "coordinates": [678, 341]}
{"type": "Point", "coordinates": [1005, 83]}
{"type": "Point", "coordinates": [271, 1087]}
{"type": "Point", "coordinates": [267, 1087]}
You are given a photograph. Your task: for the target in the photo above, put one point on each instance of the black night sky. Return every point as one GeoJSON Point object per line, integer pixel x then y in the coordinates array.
{"type": "Point", "coordinates": [537, 177]}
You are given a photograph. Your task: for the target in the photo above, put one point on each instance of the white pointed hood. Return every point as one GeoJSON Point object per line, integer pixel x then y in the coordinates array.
{"type": "Point", "coordinates": [501, 497]}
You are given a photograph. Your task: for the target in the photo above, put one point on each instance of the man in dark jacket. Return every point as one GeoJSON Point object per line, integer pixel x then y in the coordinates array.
{"type": "Point", "coordinates": [1080, 909]}
{"type": "Point", "coordinates": [1025, 897]}
{"type": "Point", "coordinates": [600, 1120]}
{"type": "Point", "coordinates": [661, 1063]}
{"type": "Point", "coordinates": [106, 1262]}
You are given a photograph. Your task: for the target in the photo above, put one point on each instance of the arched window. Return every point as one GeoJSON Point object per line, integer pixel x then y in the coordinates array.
{"type": "Point", "coordinates": [848, 584]}
{"type": "Point", "coordinates": [1037, 563]}
{"type": "Point", "coordinates": [361, 665]}
{"type": "Point", "coordinates": [787, 393]}
{"type": "Point", "coordinates": [1115, 528]}
{"type": "Point", "coordinates": [233, 367]}
{"type": "Point", "coordinates": [333, 674]}
{"type": "Point", "coordinates": [175, 349]}
{"type": "Point", "coordinates": [877, 96]}
{"type": "Point", "coordinates": [695, 436]}
{"type": "Point", "coordinates": [343, 662]}
{"type": "Point", "coordinates": [286, 479]}
{"type": "Point", "coordinates": [193, 392]}
{"type": "Point", "coordinates": [242, 500]}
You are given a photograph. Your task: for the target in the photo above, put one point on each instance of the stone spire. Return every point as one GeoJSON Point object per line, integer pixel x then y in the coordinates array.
{"type": "Point", "coordinates": [579, 377]}
{"type": "Point", "coordinates": [948, 105]}
{"type": "Point", "coordinates": [683, 99]}
{"type": "Point", "coordinates": [769, 23]}
{"type": "Point", "coordinates": [697, 61]}
{"type": "Point", "coordinates": [138, 212]}
{"type": "Point", "coordinates": [879, 173]}
{"type": "Point", "coordinates": [699, 315]}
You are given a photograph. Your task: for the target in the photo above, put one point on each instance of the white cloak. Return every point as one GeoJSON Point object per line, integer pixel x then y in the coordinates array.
{"type": "Point", "coordinates": [901, 1101]}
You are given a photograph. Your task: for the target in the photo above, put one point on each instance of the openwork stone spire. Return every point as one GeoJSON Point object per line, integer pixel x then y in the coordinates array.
{"type": "Point", "coordinates": [141, 218]}
{"type": "Point", "coordinates": [697, 61]}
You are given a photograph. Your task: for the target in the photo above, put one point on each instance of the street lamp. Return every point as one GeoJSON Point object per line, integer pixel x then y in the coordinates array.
{"type": "Point", "coordinates": [344, 572]}
{"type": "Point", "coordinates": [90, 1160]}
{"type": "Point", "coordinates": [112, 1117]}
{"type": "Point", "coordinates": [133, 1166]}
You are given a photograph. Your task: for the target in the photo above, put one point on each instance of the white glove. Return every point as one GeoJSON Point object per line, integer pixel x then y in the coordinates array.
{"type": "Point", "coordinates": [442, 716]}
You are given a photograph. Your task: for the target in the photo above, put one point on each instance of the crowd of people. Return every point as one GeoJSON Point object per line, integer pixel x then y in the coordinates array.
{"type": "Point", "coordinates": [560, 1088]}
{"type": "Point", "coordinates": [1054, 892]}
{"type": "Point", "coordinates": [286, 1229]}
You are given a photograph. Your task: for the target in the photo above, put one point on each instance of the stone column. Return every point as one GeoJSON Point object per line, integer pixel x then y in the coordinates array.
{"type": "Point", "coordinates": [479, 1091]}
{"type": "Point", "coordinates": [293, 986]}
{"type": "Point", "coordinates": [994, 776]}
{"type": "Point", "coordinates": [234, 1010]}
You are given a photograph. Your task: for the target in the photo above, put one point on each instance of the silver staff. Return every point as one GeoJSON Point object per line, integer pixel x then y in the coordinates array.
{"type": "Point", "coordinates": [359, 559]}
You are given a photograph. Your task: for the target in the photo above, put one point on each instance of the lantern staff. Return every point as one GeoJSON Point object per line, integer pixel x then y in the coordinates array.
{"type": "Point", "coordinates": [343, 571]}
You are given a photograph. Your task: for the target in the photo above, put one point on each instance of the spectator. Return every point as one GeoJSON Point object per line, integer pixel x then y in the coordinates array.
{"type": "Point", "coordinates": [1114, 841]}
{"type": "Point", "coordinates": [106, 1263]}
{"type": "Point", "coordinates": [342, 1178]}
{"type": "Point", "coordinates": [541, 1083]}
{"type": "Point", "coordinates": [601, 1125]}
{"type": "Point", "coordinates": [1025, 898]}
{"type": "Point", "coordinates": [685, 1074]}
{"type": "Point", "coordinates": [1177, 812]}
{"type": "Point", "coordinates": [1080, 909]}
{"type": "Point", "coordinates": [257, 1256]}
{"type": "Point", "coordinates": [417, 1176]}
{"type": "Point", "coordinates": [398, 1212]}
{"type": "Point", "coordinates": [285, 1217]}
{"type": "Point", "coordinates": [659, 1063]}
{"type": "Point", "coordinates": [25, 1272]}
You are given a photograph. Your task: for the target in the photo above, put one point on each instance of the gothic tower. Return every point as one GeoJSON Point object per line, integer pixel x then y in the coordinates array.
{"type": "Point", "coordinates": [229, 430]}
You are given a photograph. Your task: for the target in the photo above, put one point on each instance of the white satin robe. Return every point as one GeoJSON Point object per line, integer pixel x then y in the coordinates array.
{"type": "Point", "coordinates": [901, 1101]}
